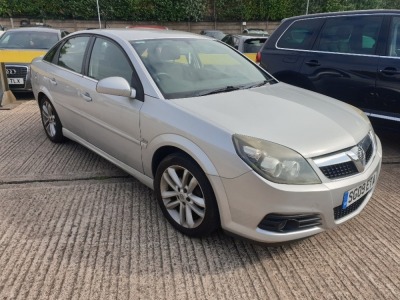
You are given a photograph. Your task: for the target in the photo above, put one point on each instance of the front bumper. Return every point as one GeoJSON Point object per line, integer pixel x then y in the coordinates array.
{"type": "Point", "coordinates": [251, 198]}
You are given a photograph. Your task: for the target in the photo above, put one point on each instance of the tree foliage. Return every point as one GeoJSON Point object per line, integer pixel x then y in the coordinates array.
{"type": "Point", "coordinates": [181, 10]}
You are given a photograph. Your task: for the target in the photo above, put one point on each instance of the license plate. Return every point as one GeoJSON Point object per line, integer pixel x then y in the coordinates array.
{"type": "Point", "coordinates": [15, 80]}
{"type": "Point", "coordinates": [358, 192]}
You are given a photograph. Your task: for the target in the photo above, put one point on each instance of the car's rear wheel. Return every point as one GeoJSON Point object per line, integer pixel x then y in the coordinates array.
{"type": "Point", "coordinates": [51, 122]}
{"type": "Point", "coordinates": [185, 196]}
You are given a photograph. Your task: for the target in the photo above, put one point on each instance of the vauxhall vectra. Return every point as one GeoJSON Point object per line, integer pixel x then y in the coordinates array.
{"type": "Point", "coordinates": [222, 143]}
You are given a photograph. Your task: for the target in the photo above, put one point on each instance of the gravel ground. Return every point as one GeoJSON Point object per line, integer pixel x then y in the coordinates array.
{"type": "Point", "coordinates": [73, 226]}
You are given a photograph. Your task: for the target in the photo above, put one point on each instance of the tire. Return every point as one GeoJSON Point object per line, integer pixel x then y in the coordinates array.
{"type": "Point", "coordinates": [51, 122]}
{"type": "Point", "coordinates": [185, 196]}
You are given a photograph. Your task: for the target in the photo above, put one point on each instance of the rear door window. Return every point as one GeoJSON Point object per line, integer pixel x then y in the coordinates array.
{"type": "Point", "coordinates": [72, 53]}
{"type": "Point", "coordinates": [394, 38]}
{"type": "Point", "coordinates": [300, 34]}
{"type": "Point", "coordinates": [350, 34]}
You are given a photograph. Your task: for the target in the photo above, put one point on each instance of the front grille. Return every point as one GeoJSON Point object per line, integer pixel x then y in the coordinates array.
{"type": "Point", "coordinates": [17, 72]}
{"type": "Point", "coordinates": [339, 212]}
{"type": "Point", "coordinates": [349, 161]}
{"type": "Point", "coordinates": [339, 170]}
{"type": "Point", "coordinates": [289, 223]}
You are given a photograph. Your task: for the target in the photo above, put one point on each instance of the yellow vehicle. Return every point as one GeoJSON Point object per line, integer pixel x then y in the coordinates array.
{"type": "Point", "coordinates": [18, 47]}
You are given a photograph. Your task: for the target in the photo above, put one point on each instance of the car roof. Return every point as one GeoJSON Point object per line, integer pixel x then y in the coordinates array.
{"type": "Point", "coordinates": [344, 13]}
{"type": "Point", "coordinates": [248, 36]}
{"type": "Point", "coordinates": [141, 33]}
{"type": "Point", "coordinates": [36, 29]}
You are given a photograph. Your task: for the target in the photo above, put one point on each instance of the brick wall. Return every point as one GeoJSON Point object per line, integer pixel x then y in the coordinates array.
{"type": "Point", "coordinates": [74, 25]}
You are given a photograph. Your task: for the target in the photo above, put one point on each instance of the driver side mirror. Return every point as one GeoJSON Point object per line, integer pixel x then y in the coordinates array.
{"type": "Point", "coordinates": [116, 86]}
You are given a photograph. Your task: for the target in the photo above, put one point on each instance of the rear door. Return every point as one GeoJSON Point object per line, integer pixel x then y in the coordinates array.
{"type": "Point", "coordinates": [344, 62]}
{"type": "Point", "coordinates": [64, 81]}
{"type": "Point", "coordinates": [387, 106]}
{"type": "Point", "coordinates": [284, 52]}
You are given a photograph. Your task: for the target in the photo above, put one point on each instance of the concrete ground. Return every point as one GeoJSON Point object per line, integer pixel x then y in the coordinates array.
{"type": "Point", "coordinates": [73, 226]}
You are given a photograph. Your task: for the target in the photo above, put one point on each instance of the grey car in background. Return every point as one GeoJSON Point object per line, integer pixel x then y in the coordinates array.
{"type": "Point", "coordinates": [217, 34]}
{"type": "Point", "coordinates": [221, 142]}
{"type": "Point", "coordinates": [249, 45]}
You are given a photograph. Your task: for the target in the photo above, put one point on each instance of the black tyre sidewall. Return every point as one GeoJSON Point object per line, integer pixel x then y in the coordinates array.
{"type": "Point", "coordinates": [211, 221]}
{"type": "Point", "coordinates": [58, 137]}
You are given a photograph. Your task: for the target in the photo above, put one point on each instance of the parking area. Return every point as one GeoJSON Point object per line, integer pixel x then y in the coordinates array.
{"type": "Point", "coordinates": [73, 226]}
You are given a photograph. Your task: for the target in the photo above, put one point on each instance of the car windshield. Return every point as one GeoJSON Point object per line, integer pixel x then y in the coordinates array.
{"type": "Point", "coordinates": [194, 67]}
{"type": "Point", "coordinates": [28, 40]}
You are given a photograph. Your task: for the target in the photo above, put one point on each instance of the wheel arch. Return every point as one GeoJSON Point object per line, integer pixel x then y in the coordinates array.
{"type": "Point", "coordinates": [167, 144]}
{"type": "Point", "coordinates": [42, 94]}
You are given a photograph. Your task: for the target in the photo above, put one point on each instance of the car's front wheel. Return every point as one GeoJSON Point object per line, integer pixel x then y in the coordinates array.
{"type": "Point", "coordinates": [51, 122]}
{"type": "Point", "coordinates": [185, 196]}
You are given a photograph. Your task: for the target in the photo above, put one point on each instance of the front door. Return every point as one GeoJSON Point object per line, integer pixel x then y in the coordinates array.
{"type": "Point", "coordinates": [114, 121]}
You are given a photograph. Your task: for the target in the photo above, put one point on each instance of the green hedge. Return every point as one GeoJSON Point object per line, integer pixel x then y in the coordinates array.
{"type": "Point", "coordinates": [180, 10]}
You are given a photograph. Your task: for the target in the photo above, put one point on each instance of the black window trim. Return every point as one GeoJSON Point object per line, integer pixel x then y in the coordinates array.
{"type": "Point", "coordinates": [382, 33]}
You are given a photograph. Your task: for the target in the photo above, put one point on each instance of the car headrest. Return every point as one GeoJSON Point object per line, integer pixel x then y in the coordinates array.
{"type": "Point", "coordinates": [169, 53]}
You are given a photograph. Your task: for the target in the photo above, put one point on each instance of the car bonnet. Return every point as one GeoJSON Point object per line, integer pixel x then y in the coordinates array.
{"type": "Point", "coordinates": [19, 55]}
{"type": "Point", "coordinates": [307, 122]}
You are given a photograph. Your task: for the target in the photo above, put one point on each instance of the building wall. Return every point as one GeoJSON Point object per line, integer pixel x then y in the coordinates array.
{"type": "Point", "coordinates": [74, 25]}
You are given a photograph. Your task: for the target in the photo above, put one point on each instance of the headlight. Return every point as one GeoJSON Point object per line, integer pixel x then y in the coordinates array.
{"type": "Point", "coordinates": [274, 162]}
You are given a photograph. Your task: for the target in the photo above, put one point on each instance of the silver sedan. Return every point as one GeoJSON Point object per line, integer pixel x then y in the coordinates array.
{"type": "Point", "coordinates": [222, 143]}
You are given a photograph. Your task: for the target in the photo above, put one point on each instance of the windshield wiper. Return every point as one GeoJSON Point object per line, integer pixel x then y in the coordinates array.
{"type": "Point", "coordinates": [228, 88]}
{"type": "Point", "coordinates": [250, 86]}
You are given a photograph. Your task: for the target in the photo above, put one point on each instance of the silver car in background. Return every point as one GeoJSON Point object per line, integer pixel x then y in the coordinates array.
{"type": "Point", "coordinates": [221, 142]}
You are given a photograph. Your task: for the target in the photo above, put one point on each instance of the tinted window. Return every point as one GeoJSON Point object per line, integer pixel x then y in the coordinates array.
{"type": "Point", "coordinates": [72, 53]}
{"type": "Point", "coordinates": [350, 35]}
{"type": "Point", "coordinates": [50, 54]}
{"type": "Point", "coordinates": [299, 34]}
{"type": "Point", "coordinates": [108, 60]}
{"type": "Point", "coordinates": [229, 40]}
{"type": "Point", "coordinates": [394, 39]}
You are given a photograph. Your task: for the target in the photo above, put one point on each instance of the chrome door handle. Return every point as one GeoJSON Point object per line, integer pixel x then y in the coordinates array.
{"type": "Point", "coordinates": [86, 96]}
